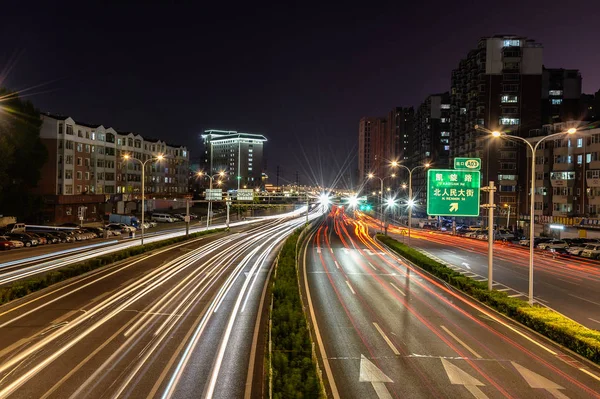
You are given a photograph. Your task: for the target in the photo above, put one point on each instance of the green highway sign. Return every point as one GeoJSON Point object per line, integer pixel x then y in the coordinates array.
{"type": "Point", "coordinates": [453, 192]}
{"type": "Point", "coordinates": [467, 163]}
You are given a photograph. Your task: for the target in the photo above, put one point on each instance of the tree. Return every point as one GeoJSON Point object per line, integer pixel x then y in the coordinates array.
{"type": "Point", "coordinates": [22, 155]}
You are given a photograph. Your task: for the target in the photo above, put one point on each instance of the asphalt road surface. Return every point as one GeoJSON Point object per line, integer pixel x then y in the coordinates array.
{"type": "Point", "coordinates": [386, 329]}
{"type": "Point", "coordinates": [179, 322]}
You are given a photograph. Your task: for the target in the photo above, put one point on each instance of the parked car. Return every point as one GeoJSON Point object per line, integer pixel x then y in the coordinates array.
{"type": "Point", "coordinates": [162, 217]}
{"type": "Point", "coordinates": [591, 251]}
{"type": "Point", "coordinates": [121, 227]}
{"type": "Point", "coordinates": [63, 237]}
{"type": "Point", "coordinates": [41, 239]}
{"type": "Point", "coordinates": [504, 234]}
{"type": "Point", "coordinates": [50, 238]}
{"type": "Point", "coordinates": [178, 216]}
{"type": "Point", "coordinates": [14, 228]}
{"type": "Point", "coordinates": [536, 241]}
{"type": "Point", "coordinates": [153, 223]}
{"type": "Point", "coordinates": [26, 239]}
{"type": "Point", "coordinates": [5, 244]}
{"type": "Point", "coordinates": [553, 244]}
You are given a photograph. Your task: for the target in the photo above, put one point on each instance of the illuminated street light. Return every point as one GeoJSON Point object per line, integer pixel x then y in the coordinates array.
{"type": "Point", "coordinates": [353, 201]}
{"type": "Point", "coordinates": [158, 158]}
{"type": "Point", "coordinates": [410, 193]}
{"type": "Point", "coordinates": [533, 148]}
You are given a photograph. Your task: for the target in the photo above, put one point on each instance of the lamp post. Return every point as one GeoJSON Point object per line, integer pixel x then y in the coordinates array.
{"type": "Point", "coordinates": [381, 179]}
{"type": "Point", "coordinates": [533, 148]}
{"type": "Point", "coordinates": [209, 206]}
{"type": "Point", "coordinates": [410, 201]}
{"type": "Point", "coordinates": [508, 216]}
{"type": "Point", "coordinates": [158, 158]}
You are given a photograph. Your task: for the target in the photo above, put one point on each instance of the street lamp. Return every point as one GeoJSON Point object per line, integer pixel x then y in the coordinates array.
{"type": "Point", "coordinates": [508, 217]}
{"type": "Point", "coordinates": [533, 148]}
{"type": "Point", "coordinates": [209, 207]}
{"type": "Point", "coordinates": [158, 158]}
{"type": "Point", "coordinates": [411, 200]}
{"type": "Point", "coordinates": [381, 179]}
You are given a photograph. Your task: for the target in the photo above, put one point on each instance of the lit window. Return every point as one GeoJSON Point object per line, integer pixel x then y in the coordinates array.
{"type": "Point", "coordinates": [512, 43]}
{"type": "Point", "coordinates": [556, 101]}
{"type": "Point", "coordinates": [507, 98]}
{"type": "Point", "coordinates": [555, 92]}
{"type": "Point", "coordinates": [445, 106]}
{"type": "Point", "coordinates": [509, 121]}
{"type": "Point", "coordinates": [579, 142]}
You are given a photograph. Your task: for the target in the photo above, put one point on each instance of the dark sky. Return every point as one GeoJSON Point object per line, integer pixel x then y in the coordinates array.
{"type": "Point", "coordinates": [301, 74]}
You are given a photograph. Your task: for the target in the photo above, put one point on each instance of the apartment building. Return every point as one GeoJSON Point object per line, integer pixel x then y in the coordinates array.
{"type": "Point", "coordinates": [239, 155]}
{"type": "Point", "coordinates": [567, 172]}
{"type": "Point", "coordinates": [497, 86]}
{"type": "Point", "coordinates": [561, 95]}
{"type": "Point", "coordinates": [86, 166]}
{"type": "Point", "coordinates": [431, 140]}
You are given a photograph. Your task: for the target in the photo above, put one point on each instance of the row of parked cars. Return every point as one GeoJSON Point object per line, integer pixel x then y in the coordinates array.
{"type": "Point", "coordinates": [170, 218]}
{"type": "Point", "coordinates": [585, 247]}
{"type": "Point", "coordinates": [19, 239]}
{"type": "Point", "coordinates": [482, 234]}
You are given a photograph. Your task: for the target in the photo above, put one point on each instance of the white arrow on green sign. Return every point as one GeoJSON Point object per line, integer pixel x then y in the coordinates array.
{"type": "Point", "coordinates": [453, 192]}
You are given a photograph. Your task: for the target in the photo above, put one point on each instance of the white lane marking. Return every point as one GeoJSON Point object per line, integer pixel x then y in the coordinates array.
{"type": "Point", "coordinates": [397, 289]}
{"type": "Point", "coordinates": [371, 373]}
{"type": "Point", "coordinates": [590, 374]}
{"type": "Point", "coordinates": [331, 249]}
{"type": "Point", "coordinates": [320, 345]}
{"type": "Point", "coordinates": [349, 286]}
{"type": "Point", "coordinates": [583, 299]}
{"type": "Point", "coordinates": [515, 295]}
{"type": "Point", "coordinates": [336, 264]}
{"type": "Point", "coordinates": [536, 381]}
{"type": "Point", "coordinates": [318, 250]}
{"type": "Point", "coordinates": [589, 318]}
{"type": "Point", "coordinates": [465, 264]}
{"type": "Point", "coordinates": [373, 267]}
{"type": "Point", "coordinates": [386, 339]}
{"type": "Point", "coordinates": [504, 289]}
{"type": "Point", "coordinates": [459, 377]}
{"type": "Point", "coordinates": [461, 342]}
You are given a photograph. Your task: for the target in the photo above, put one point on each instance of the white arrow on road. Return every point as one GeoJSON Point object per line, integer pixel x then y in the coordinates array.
{"type": "Point", "coordinates": [371, 373]}
{"type": "Point", "coordinates": [459, 377]}
{"type": "Point", "coordinates": [454, 207]}
{"type": "Point", "coordinates": [537, 381]}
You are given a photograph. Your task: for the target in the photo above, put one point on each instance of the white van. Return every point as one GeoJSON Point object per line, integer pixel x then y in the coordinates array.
{"type": "Point", "coordinates": [15, 228]}
{"type": "Point", "coordinates": [162, 217]}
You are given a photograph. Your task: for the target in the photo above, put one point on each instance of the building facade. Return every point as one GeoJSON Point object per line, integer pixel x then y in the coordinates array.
{"type": "Point", "coordinates": [86, 161]}
{"type": "Point", "coordinates": [561, 95]}
{"type": "Point", "coordinates": [567, 172]}
{"type": "Point", "coordinates": [497, 86]}
{"type": "Point", "coordinates": [431, 140]}
{"type": "Point", "coordinates": [239, 155]}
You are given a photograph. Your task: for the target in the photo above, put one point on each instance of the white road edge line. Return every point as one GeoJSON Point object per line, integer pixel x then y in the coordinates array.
{"type": "Point", "coordinates": [320, 345]}
{"type": "Point", "coordinates": [461, 342]}
{"type": "Point", "coordinates": [336, 264]}
{"type": "Point", "coordinates": [349, 286]}
{"type": "Point", "coordinates": [386, 339]}
{"type": "Point", "coordinates": [590, 374]}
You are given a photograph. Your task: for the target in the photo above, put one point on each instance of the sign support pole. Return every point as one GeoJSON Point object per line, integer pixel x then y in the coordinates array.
{"type": "Point", "coordinates": [491, 189]}
{"type": "Point", "coordinates": [187, 217]}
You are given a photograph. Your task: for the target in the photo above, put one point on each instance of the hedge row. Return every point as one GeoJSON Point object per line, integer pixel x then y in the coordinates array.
{"type": "Point", "coordinates": [294, 371]}
{"type": "Point", "coordinates": [553, 325]}
{"type": "Point", "coordinates": [21, 288]}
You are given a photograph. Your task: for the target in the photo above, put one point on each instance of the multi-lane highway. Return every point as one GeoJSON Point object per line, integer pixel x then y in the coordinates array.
{"type": "Point", "coordinates": [179, 322]}
{"type": "Point", "coordinates": [386, 329]}
{"type": "Point", "coordinates": [567, 284]}
{"type": "Point", "coordinates": [20, 264]}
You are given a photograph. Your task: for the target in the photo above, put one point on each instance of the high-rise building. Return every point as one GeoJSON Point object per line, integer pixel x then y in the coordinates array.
{"type": "Point", "coordinates": [85, 168]}
{"type": "Point", "coordinates": [498, 86]}
{"type": "Point", "coordinates": [239, 155]}
{"type": "Point", "coordinates": [369, 132]}
{"type": "Point", "coordinates": [431, 139]}
{"type": "Point", "coordinates": [561, 95]}
{"type": "Point", "coordinates": [400, 122]}
{"type": "Point", "coordinates": [590, 107]}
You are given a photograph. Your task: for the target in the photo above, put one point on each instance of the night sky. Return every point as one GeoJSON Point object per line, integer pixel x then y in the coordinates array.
{"type": "Point", "coordinates": [302, 75]}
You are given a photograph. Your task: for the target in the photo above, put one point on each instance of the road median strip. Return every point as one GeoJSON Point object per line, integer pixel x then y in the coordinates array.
{"type": "Point", "coordinates": [20, 288]}
{"type": "Point", "coordinates": [294, 368]}
{"type": "Point", "coordinates": [560, 329]}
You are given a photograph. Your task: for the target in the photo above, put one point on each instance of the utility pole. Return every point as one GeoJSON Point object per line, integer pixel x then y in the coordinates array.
{"type": "Point", "coordinates": [187, 217]}
{"type": "Point", "coordinates": [491, 189]}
